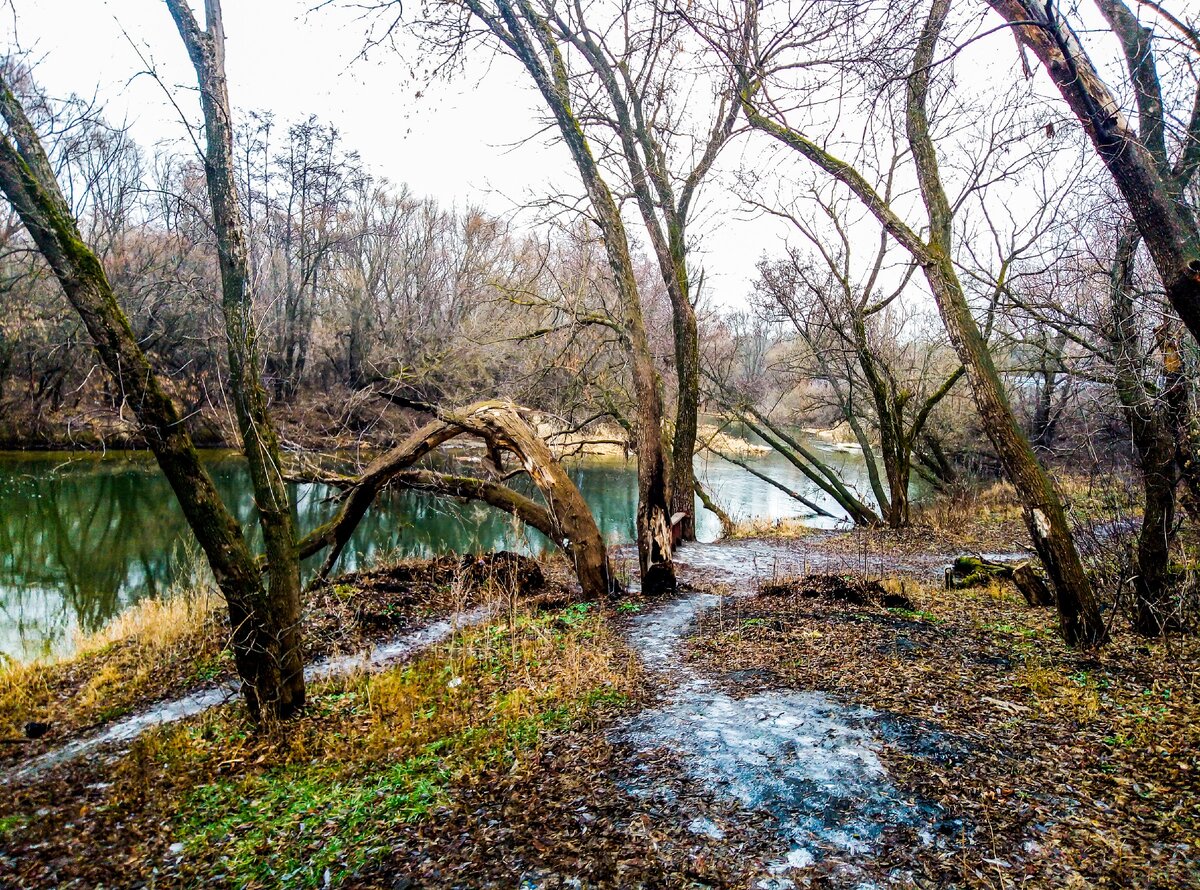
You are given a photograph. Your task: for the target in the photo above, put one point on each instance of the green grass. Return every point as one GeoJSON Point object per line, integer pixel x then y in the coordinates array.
{"type": "Point", "coordinates": [305, 824]}
{"type": "Point", "coordinates": [316, 805]}
{"type": "Point", "coordinates": [260, 824]}
{"type": "Point", "coordinates": [914, 615]}
{"type": "Point", "coordinates": [9, 824]}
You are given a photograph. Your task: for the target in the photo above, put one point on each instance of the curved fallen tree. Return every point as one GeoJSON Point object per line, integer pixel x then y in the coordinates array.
{"type": "Point", "coordinates": [564, 517]}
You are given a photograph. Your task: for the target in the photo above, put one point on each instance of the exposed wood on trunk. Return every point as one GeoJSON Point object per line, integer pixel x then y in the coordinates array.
{"type": "Point", "coordinates": [564, 518]}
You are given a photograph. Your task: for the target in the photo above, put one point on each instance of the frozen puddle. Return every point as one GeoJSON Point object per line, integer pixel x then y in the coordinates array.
{"type": "Point", "coordinates": [130, 728]}
{"type": "Point", "coordinates": [802, 757]}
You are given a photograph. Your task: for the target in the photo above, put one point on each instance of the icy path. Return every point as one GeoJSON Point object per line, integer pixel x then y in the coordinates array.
{"type": "Point", "coordinates": [124, 731]}
{"type": "Point", "coordinates": [808, 761]}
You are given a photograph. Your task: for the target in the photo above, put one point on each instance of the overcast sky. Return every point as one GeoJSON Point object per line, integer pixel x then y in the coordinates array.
{"type": "Point", "coordinates": [467, 141]}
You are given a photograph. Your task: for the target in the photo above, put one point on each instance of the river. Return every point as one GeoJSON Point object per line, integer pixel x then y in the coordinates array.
{"type": "Point", "coordinates": [83, 536]}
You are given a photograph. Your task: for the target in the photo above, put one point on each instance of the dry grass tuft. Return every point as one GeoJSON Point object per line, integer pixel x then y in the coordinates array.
{"type": "Point", "coordinates": [148, 651]}
{"type": "Point", "coordinates": [794, 527]}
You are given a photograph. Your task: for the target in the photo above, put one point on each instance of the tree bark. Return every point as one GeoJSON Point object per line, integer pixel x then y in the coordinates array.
{"type": "Point", "coordinates": [1079, 616]}
{"type": "Point", "coordinates": [282, 654]}
{"type": "Point", "coordinates": [565, 518]}
{"type": "Point", "coordinates": [527, 35]}
{"type": "Point", "coordinates": [1150, 417]}
{"type": "Point", "coordinates": [1166, 223]}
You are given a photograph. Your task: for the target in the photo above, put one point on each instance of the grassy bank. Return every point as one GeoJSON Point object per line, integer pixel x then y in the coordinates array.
{"type": "Point", "coordinates": [319, 801]}
{"type": "Point", "coordinates": [160, 649]}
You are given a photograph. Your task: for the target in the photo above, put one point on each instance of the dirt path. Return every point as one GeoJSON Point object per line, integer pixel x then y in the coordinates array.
{"type": "Point", "coordinates": [804, 759]}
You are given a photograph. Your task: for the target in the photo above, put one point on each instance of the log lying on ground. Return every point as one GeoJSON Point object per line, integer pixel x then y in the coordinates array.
{"type": "Point", "coordinates": [975, 571]}
{"type": "Point", "coordinates": [564, 517]}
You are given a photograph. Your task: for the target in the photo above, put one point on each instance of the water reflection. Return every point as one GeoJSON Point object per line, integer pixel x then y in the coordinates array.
{"type": "Point", "coordinates": [84, 536]}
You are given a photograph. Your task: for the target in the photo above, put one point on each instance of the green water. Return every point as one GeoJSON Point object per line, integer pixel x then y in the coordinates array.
{"type": "Point", "coordinates": [84, 536]}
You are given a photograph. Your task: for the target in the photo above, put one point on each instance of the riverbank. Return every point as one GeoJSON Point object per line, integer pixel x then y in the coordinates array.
{"type": "Point", "coordinates": [696, 742]}
{"type": "Point", "coordinates": [164, 649]}
{"type": "Point", "coordinates": [345, 423]}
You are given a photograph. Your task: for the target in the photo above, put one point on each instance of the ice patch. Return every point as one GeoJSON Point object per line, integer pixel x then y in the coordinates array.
{"type": "Point", "coordinates": [809, 761]}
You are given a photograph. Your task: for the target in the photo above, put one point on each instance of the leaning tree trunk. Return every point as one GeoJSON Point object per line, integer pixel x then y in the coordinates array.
{"type": "Point", "coordinates": [1166, 222]}
{"type": "Point", "coordinates": [565, 517]}
{"type": "Point", "coordinates": [1079, 616]}
{"type": "Point", "coordinates": [279, 654]}
{"type": "Point", "coordinates": [27, 180]}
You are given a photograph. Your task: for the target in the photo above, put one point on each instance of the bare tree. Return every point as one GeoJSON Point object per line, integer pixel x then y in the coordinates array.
{"type": "Point", "coordinates": [282, 655]}
{"type": "Point", "coordinates": [853, 327]}
{"type": "Point", "coordinates": [28, 182]}
{"type": "Point", "coordinates": [528, 35]}
{"type": "Point", "coordinates": [1152, 184]}
{"type": "Point", "coordinates": [1045, 517]}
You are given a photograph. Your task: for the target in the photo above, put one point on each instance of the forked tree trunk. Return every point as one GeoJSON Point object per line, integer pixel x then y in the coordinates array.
{"type": "Point", "coordinates": [28, 182]}
{"type": "Point", "coordinates": [527, 35]}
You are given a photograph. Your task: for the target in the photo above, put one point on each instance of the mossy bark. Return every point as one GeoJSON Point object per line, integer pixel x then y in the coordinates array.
{"type": "Point", "coordinates": [280, 652]}
{"type": "Point", "coordinates": [526, 33]}
{"type": "Point", "coordinates": [28, 182]}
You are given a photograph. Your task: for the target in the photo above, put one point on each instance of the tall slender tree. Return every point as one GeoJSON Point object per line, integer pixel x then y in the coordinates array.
{"type": "Point", "coordinates": [260, 443]}
{"type": "Point", "coordinates": [1045, 517]}
{"type": "Point", "coordinates": [265, 636]}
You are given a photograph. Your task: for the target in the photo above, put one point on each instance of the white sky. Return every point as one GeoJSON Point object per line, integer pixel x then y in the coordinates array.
{"type": "Point", "coordinates": [461, 142]}
{"type": "Point", "coordinates": [467, 141]}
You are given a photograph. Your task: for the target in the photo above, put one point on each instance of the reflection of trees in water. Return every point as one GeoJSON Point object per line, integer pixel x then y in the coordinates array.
{"type": "Point", "coordinates": [81, 541]}
{"type": "Point", "coordinates": [99, 539]}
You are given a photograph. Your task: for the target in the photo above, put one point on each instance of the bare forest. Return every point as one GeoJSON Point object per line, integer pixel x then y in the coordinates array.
{"type": "Point", "coordinates": [795, 485]}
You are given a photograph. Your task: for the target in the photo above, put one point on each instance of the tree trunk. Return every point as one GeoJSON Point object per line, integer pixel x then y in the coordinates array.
{"type": "Point", "coordinates": [280, 654]}
{"type": "Point", "coordinates": [1079, 616]}
{"type": "Point", "coordinates": [565, 519]}
{"type": "Point", "coordinates": [728, 526]}
{"type": "Point", "coordinates": [1150, 417]}
{"type": "Point", "coordinates": [28, 182]}
{"type": "Point", "coordinates": [687, 408]}
{"type": "Point", "coordinates": [1154, 612]}
{"type": "Point", "coordinates": [574, 532]}
{"type": "Point", "coordinates": [1165, 222]}
{"type": "Point", "coordinates": [528, 37]}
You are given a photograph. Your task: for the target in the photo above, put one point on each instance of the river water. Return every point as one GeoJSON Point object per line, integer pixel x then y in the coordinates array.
{"type": "Point", "coordinates": [82, 537]}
